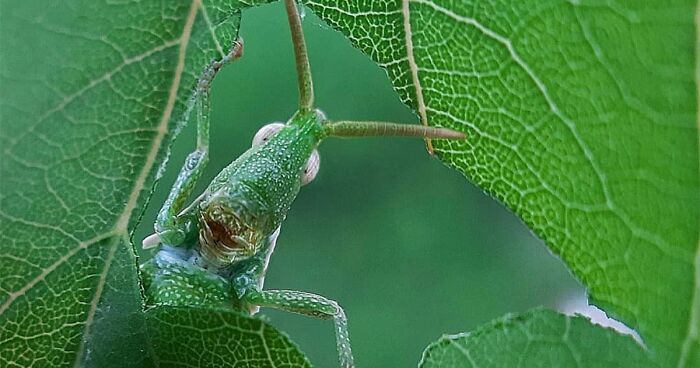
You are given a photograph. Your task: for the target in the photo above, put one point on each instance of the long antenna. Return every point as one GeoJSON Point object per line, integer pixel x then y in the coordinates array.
{"type": "Point", "coordinates": [306, 86]}
{"type": "Point", "coordinates": [380, 128]}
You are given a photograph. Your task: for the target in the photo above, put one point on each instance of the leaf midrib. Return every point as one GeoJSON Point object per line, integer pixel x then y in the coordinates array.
{"type": "Point", "coordinates": [120, 230]}
{"type": "Point", "coordinates": [121, 227]}
{"type": "Point", "coordinates": [413, 66]}
{"type": "Point", "coordinates": [693, 331]}
{"type": "Point", "coordinates": [693, 325]}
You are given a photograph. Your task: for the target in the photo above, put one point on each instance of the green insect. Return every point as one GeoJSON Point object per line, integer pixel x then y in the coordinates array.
{"type": "Point", "coordinates": [215, 251]}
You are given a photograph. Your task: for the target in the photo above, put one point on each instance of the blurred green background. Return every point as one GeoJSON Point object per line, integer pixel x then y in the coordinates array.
{"type": "Point", "coordinates": [408, 247]}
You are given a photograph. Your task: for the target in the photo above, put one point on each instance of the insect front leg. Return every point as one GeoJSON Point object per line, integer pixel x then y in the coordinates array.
{"type": "Point", "coordinates": [310, 305]}
{"type": "Point", "coordinates": [173, 227]}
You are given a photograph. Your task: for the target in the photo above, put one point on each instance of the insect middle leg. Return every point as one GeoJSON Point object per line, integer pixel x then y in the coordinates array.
{"type": "Point", "coordinates": [310, 305]}
{"type": "Point", "coordinates": [170, 227]}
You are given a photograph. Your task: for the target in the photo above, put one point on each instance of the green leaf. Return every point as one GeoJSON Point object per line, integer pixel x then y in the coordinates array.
{"type": "Point", "coordinates": [183, 336]}
{"type": "Point", "coordinates": [92, 94]}
{"type": "Point", "coordinates": [538, 338]}
{"type": "Point", "coordinates": [581, 118]}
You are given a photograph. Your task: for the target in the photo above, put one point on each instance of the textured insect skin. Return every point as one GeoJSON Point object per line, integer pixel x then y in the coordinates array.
{"type": "Point", "coordinates": [204, 263]}
{"type": "Point", "coordinates": [252, 195]}
{"type": "Point", "coordinates": [261, 184]}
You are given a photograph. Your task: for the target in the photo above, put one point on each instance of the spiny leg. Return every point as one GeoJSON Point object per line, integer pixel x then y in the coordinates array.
{"type": "Point", "coordinates": [310, 305]}
{"type": "Point", "coordinates": [171, 229]}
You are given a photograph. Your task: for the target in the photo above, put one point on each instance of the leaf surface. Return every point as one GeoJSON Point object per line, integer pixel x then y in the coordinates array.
{"type": "Point", "coordinates": [581, 117]}
{"type": "Point", "coordinates": [195, 337]}
{"type": "Point", "coordinates": [92, 93]}
{"type": "Point", "coordinates": [538, 338]}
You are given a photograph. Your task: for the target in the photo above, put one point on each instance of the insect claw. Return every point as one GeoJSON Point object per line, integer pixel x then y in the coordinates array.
{"type": "Point", "coordinates": [150, 241]}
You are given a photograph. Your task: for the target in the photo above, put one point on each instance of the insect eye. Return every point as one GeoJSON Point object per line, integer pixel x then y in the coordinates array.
{"type": "Point", "coordinates": [266, 132]}
{"type": "Point", "coordinates": [311, 168]}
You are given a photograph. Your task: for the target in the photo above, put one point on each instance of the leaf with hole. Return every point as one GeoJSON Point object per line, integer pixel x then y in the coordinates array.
{"type": "Point", "coordinates": [92, 93]}
{"type": "Point", "coordinates": [581, 117]}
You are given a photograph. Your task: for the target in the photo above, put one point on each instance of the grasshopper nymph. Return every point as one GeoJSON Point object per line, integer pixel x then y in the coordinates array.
{"type": "Point", "coordinates": [215, 251]}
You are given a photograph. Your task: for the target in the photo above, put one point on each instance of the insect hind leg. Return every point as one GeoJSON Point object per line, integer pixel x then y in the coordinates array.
{"type": "Point", "coordinates": [310, 305]}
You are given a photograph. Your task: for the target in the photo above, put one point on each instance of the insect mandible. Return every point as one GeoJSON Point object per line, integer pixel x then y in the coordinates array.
{"type": "Point", "coordinates": [215, 251]}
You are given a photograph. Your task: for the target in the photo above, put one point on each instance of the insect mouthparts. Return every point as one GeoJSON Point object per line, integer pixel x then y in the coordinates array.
{"type": "Point", "coordinates": [224, 238]}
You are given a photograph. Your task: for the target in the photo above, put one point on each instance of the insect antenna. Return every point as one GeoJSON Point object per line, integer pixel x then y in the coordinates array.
{"type": "Point", "coordinates": [380, 128]}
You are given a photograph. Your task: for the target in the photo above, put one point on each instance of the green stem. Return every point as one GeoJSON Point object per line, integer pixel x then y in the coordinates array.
{"type": "Point", "coordinates": [380, 128]}
{"type": "Point", "coordinates": [306, 87]}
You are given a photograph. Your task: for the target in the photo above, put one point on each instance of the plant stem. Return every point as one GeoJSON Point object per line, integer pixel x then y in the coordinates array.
{"type": "Point", "coordinates": [306, 87]}
{"type": "Point", "coordinates": [380, 128]}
